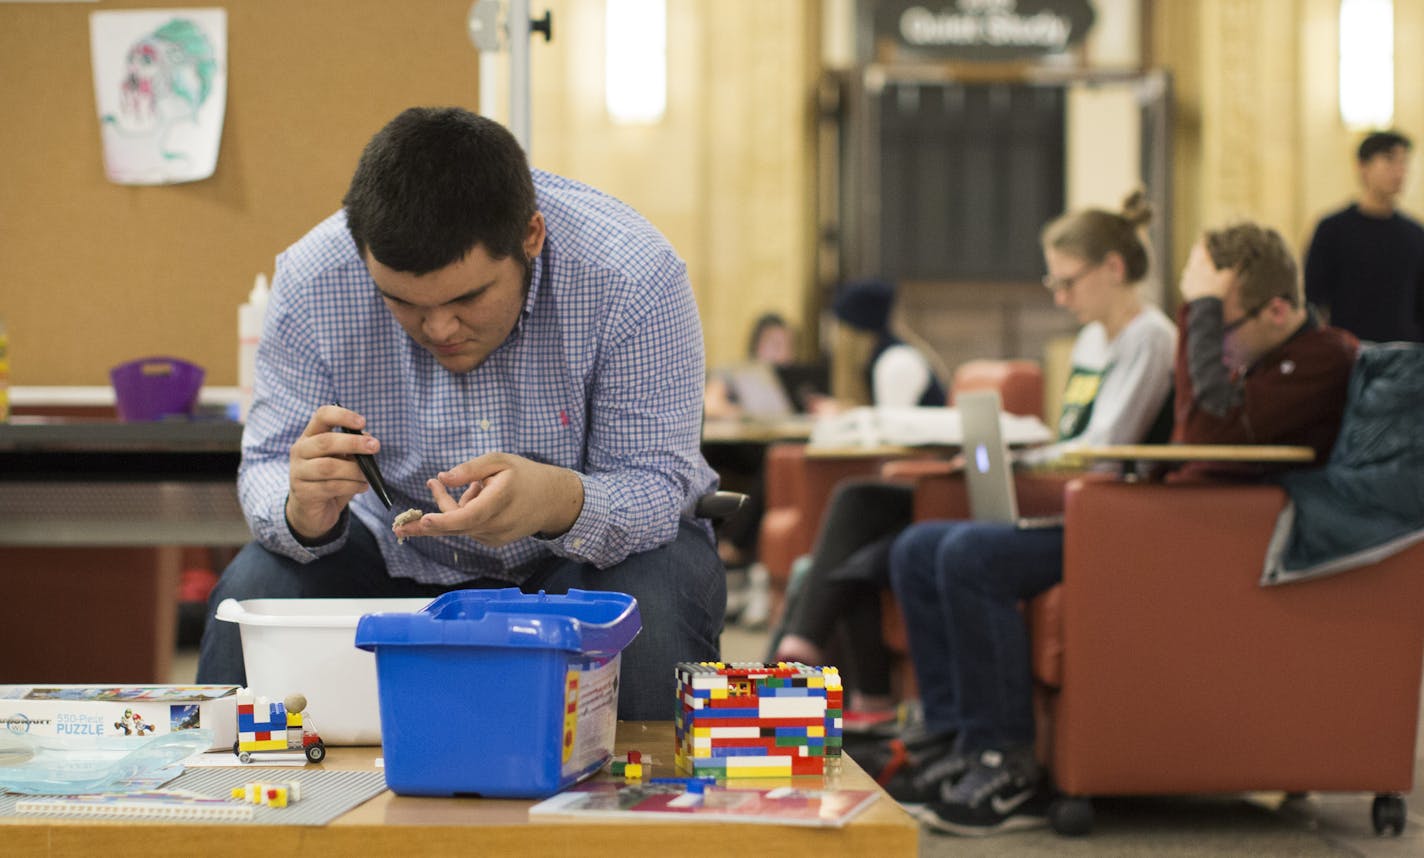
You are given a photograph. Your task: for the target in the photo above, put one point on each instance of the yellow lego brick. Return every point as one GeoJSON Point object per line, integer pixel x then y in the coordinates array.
{"type": "Point", "coordinates": [633, 770]}
{"type": "Point", "coordinates": [294, 719]}
{"type": "Point", "coordinates": [269, 745]}
{"type": "Point", "coordinates": [702, 732]}
{"type": "Point", "coordinates": [760, 771]}
{"type": "Point", "coordinates": [815, 731]}
{"type": "Point", "coordinates": [815, 682]}
{"type": "Point", "coordinates": [719, 694]}
{"type": "Point", "coordinates": [275, 796]}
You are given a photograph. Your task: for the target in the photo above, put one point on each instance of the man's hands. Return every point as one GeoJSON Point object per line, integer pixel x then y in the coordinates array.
{"type": "Point", "coordinates": [323, 476]}
{"type": "Point", "coordinates": [507, 497]}
{"type": "Point", "coordinates": [1202, 279]}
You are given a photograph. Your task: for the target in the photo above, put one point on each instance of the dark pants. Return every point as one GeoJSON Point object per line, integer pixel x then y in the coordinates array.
{"type": "Point", "coordinates": [959, 584]}
{"type": "Point", "coordinates": [681, 590]}
{"type": "Point", "coordinates": [840, 601]}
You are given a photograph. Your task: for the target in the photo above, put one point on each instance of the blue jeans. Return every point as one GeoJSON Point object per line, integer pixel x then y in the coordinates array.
{"type": "Point", "coordinates": [959, 584]}
{"type": "Point", "coordinates": [681, 590]}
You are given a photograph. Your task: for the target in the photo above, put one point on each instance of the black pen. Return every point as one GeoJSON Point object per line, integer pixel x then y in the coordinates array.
{"type": "Point", "coordinates": [367, 463]}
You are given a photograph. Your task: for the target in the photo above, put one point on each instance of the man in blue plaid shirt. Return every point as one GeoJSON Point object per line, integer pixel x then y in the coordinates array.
{"type": "Point", "coordinates": [523, 357]}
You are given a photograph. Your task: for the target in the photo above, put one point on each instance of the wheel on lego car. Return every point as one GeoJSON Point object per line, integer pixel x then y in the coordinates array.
{"type": "Point", "coordinates": [1388, 814]}
{"type": "Point", "coordinates": [245, 756]}
{"type": "Point", "coordinates": [316, 753]}
{"type": "Point", "coordinates": [1071, 816]}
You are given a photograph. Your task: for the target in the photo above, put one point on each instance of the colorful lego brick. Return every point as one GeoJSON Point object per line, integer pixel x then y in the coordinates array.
{"type": "Point", "coordinates": [278, 794]}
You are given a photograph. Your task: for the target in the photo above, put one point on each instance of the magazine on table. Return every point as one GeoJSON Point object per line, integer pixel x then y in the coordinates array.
{"type": "Point", "coordinates": [675, 802]}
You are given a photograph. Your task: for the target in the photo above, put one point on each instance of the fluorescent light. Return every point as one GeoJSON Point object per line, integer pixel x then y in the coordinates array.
{"type": "Point", "coordinates": [635, 60]}
{"type": "Point", "coordinates": [1367, 63]}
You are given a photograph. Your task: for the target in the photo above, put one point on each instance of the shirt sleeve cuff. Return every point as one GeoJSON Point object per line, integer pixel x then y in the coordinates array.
{"type": "Point", "coordinates": [281, 539]}
{"type": "Point", "coordinates": [580, 541]}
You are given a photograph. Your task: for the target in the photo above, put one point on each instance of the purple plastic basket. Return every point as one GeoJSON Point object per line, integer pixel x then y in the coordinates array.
{"type": "Point", "coordinates": [153, 388]}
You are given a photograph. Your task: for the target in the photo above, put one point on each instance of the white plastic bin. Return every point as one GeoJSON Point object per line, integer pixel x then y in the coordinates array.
{"type": "Point", "coordinates": [308, 646]}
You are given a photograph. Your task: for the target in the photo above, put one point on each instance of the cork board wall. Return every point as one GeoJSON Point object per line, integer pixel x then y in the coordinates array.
{"type": "Point", "coordinates": [93, 274]}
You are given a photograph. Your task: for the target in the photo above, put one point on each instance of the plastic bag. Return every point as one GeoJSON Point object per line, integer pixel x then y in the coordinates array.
{"type": "Point", "coordinates": [70, 765]}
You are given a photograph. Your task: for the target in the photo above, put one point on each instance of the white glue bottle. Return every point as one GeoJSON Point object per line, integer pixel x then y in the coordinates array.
{"type": "Point", "coordinates": [249, 332]}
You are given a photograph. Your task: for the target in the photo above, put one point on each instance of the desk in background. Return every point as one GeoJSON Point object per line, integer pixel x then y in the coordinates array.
{"type": "Point", "coordinates": [392, 825]}
{"type": "Point", "coordinates": [93, 517]}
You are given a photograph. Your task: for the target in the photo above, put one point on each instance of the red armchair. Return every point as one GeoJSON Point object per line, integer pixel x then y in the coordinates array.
{"type": "Point", "coordinates": [1019, 382]}
{"type": "Point", "coordinates": [1171, 671]}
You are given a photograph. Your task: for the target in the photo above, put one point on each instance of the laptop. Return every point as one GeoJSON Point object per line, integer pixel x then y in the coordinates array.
{"type": "Point", "coordinates": [988, 472]}
{"type": "Point", "coordinates": [759, 391]}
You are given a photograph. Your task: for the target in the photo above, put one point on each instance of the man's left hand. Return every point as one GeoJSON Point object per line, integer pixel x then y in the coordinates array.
{"type": "Point", "coordinates": [507, 498]}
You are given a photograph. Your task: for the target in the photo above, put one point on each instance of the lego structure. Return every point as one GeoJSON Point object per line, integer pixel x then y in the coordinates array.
{"type": "Point", "coordinates": [268, 727]}
{"type": "Point", "coordinates": [744, 720]}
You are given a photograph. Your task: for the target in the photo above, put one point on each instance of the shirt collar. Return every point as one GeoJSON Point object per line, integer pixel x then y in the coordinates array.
{"type": "Point", "coordinates": [536, 277]}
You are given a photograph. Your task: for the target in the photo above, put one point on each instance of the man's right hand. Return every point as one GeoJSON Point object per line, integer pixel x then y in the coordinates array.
{"type": "Point", "coordinates": [323, 476]}
{"type": "Point", "coordinates": [1201, 278]}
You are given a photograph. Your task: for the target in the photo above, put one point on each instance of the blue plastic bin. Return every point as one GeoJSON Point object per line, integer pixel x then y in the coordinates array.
{"type": "Point", "coordinates": [499, 693]}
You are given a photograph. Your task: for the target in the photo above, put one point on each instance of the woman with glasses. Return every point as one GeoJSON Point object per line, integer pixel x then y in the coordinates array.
{"type": "Point", "coordinates": [1118, 388]}
{"type": "Point", "coordinates": [1121, 364]}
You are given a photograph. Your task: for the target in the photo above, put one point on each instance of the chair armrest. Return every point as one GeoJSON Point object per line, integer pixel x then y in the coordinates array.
{"type": "Point", "coordinates": [913, 470]}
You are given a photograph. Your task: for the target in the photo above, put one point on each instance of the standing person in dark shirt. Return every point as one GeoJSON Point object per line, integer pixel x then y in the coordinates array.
{"type": "Point", "coordinates": [1365, 266]}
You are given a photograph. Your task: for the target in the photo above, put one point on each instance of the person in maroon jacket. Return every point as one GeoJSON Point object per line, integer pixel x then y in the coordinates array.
{"type": "Point", "coordinates": [1254, 363]}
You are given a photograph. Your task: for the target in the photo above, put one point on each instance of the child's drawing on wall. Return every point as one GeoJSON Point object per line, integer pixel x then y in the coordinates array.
{"type": "Point", "coordinates": [160, 81]}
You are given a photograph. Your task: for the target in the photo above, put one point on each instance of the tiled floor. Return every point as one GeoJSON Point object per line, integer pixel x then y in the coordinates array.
{"type": "Point", "coordinates": [1264, 824]}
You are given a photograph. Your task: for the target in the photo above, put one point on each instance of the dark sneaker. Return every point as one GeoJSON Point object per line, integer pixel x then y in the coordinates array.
{"type": "Point", "coordinates": [925, 783]}
{"type": "Point", "coordinates": [912, 766]}
{"type": "Point", "coordinates": [1001, 791]}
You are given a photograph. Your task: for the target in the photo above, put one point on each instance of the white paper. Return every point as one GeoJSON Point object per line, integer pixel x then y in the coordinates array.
{"type": "Point", "coordinates": [915, 426]}
{"type": "Point", "coordinates": [160, 85]}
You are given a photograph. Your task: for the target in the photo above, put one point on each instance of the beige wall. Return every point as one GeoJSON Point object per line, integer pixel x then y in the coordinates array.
{"type": "Point", "coordinates": [727, 175]}
{"type": "Point", "coordinates": [1258, 129]}
{"type": "Point", "coordinates": [93, 274]}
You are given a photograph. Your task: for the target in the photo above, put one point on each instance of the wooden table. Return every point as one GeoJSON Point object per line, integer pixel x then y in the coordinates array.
{"type": "Point", "coordinates": [1134, 455]}
{"type": "Point", "coordinates": [401, 825]}
{"type": "Point", "coordinates": [756, 431]}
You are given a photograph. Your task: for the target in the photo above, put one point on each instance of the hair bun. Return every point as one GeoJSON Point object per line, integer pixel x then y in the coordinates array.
{"type": "Point", "coordinates": [1136, 209]}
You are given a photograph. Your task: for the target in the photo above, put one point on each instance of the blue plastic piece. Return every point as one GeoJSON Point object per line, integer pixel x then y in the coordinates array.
{"type": "Point", "coordinates": [472, 689]}
{"type": "Point", "coordinates": [68, 765]}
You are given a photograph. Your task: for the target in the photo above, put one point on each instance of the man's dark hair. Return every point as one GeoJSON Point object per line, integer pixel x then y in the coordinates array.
{"type": "Point", "coordinates": [434, 183]}
{"type": "Point", "coordinates": [1265, 267]}
{"type": "Point", "coordinates": [1381, 142]}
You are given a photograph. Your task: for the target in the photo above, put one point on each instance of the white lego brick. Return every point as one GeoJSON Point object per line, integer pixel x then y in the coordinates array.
{"type": "Point", "coordinates": [792, 707]}
{"type": "Point", "coordinates": [736, 732]}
